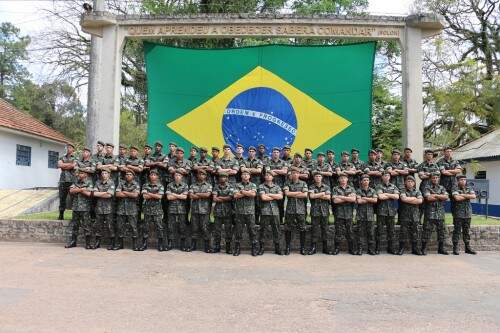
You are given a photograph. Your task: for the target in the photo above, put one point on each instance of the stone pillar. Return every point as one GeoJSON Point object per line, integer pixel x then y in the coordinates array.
{"type": "Point", "coordinates": [413, 116]}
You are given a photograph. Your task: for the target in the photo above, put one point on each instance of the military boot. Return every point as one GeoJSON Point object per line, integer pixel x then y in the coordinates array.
{"type": "Point", "coordinates": [455, 248]}
{"type": "Point", "coordinates": [112, 243]}
{"type": "Point", "coordinates": [144, 245]}
{"type": "Point", "coordinates": [350, 248]}
{"type": "Point", "coordinates": [414, 249]}
{"type": "Point", "coordinates": [207, 248]}
{"type": "Point", "coordinates": [390, 248]}
{"type": "Point", "coordinates": [87, 243]}
{"type": "Point", "coordinates": [216, 247]}
{"type": "Point", "coordinates": [97, 243]}
{"type": "Point", "coordinates": [194, 244]}
{"type": "Point", "coordinates": [377, 247]}
{"type": "Point", "coordinates": [182, 245]}
{"type": "Point", "coordinates": [313, 249]}
{"type": "Point", "coordinates": [423, 250]}
{"type": "Point", "coordinates": [401, 250]}
{"type": "Point", "coordinates": [237, 249]}
{"type": "Point", "coordinates": [61, 215]}
{"type": "Point", "coordinates": [71, 242]}
{"type": "Point", "coordinates": [119, 245]}
{"type": "Point", "coordinates": [170, 245]}
{"type": "Point", "coordinates": [468, 249]}
{"type": "Point", "coordinates": [277, 249]}
{"type": "Point", "coordinates": [336, 249]}
{"type": "Point", "coordinates": [261, 248]}
{"type": "Point", "coordinates": [371, 251]}
{"type": "Point", "coordinates": [160, 246]}
{"type": "Point", "coordinates": [359, 251]}
{"type": "Point", "coordinates": [441, 249]}
{"type": "Point", "coordinates": [254, 248]}
{"type": "Point", "coordinates": [303, 243]}
{"type": "Point", "coordinates": [228, 247]}
{"type": "Point", "coordinates": [135, 244]}
{"type": "Point", "coordinates": [325, 248]}
{"type": "Point", "coordinates": [288, 239]}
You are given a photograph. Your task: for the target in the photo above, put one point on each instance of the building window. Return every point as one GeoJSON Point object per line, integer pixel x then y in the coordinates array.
{"type": "Point", "coordinates": [53, 158]}
{"type": "Point", "coordinates": [23, 155]}
{"type": "Point", "coordinates": [480, 175]}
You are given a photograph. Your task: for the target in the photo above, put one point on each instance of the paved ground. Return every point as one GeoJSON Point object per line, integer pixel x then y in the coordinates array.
{"type": "Point", "coordinates": [45, 288]}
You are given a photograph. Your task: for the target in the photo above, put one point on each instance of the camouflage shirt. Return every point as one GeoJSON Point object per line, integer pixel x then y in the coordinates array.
{"type": "Point", "coordinates": [358, 165]}
{"type": "Point", "coordinates": [399, 180]}
{"type": "Point", "coordinates": [296, 205]}
{"type": "Point", "coordinates": [97, 158]}
{"type": "Point", "coordinates": [223, 209]}
{"type": "Point", "coordinates": [409, 212]}
{"type": "Point", "coordinates": [412, 164]}
{"type": "Point", "coordinates": [449, 182]}
{"type": "Point", "coordinates": [428, 168]}
{"type": "Point", "coordinates": [127, 206]}
{"type": "Point", "coordinates": [269, 207]}
{"type": "Point", "coordinates": [366, 211]}
{"type": "Point", "coordinates": [177, 206]}
{"type": "Point", "coordinates": [229, 163]}
{"type": "Point", "coordinates": [374, 166]}
{"type": "Point", "coordinates": [153, 206]}
{"type": "Point", "coordinates": [320, 207]}
{"type": "Point", "coordinates": [85, 165]}
{"type": "Point", "coordinates": [201, 206]}
{"type": "Point", "coordinates": [183, 164]}
{"type": "Point", "coordinates": [343, 166]}
{"type": "Point", "coordinates": [203, 163]}
{"type": "Point", "coordinates": [159, 157]}
{"type": "Point", "coordinates": [462, 209]}
{"type": "Point", "coordinates": [255, 163]}
{"type": "Point", "coordinates": [245, 205]}
{"type": "Point", "coordinates": [104, 205]}
{"type": "Point", "coordinates": [325, 167]}
{"type": "Point", "coordinates": [276, 165]}
{"type": "Point", "coordinates": [434, 210]}
{"type": "Point", "coordinates": [387, 207]}
{"type": "Point", "coordinates": [81, 203]}
{"type": "Point", "coordinates": [110, 160]}
{"type": "Point", "coordinates": [67, 176]}
{"type": "Point", "coordinates": [343, 210]}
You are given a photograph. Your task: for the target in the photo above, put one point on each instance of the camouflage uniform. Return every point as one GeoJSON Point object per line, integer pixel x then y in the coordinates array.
{"type": "Point", "coordinates": [159, 157]}
{"type": "Point", "coordinates": [310, 165]}
{"type": "Point", "coordinates": [343, 166]}
{"type": "Point", "coordinates": [374, 166]}
{"type": "Point", "coordinates": [205, 162]}
{"type": "Point", "coordinates": [177, 222]}
{"type": "Point", "coordinates": [462, 215]}
{"type": "Point", "coordinates": [386, 211]}
{"type": "Point", "coordinates": [365, 218]}
{"type": "Point", "coordinates": [66, 179]}
{"type": "Point", "coordinates": [334, 179]}
{"type": "Point", "coordinates": [136, 162]}
{"type": "Point", "coordinates": [343, 213]}
{"type": "Point", "coordinates": [96, 159]}
{"type": "Point", "coordinates": [81, 209]}
{"type": "Point", "coordinates": [230, 163]}
{"type": "Point", "coordinates": [434, 214]}
{"type": "Point", "coordinates": [278, 180]}
{"type": "Point", "coordinates": [104, 208]}
{"type": "Point", "coordinates": [120, 161]}
{"type": "Point", "coordinates": [111, 160]}
{"type": "Point", "coordinates": [398, 180]}
{"type": "Point", "coordinates": [269, 211]}
{"type": "Point", "coordinates": [448, 182]}
{"type": "Point", "coordinates": [127, 209]}
{"type": "Point", "coordinates": [409, 216]}
{"type": "Point", "coordinates": [223, 213]}
{"type": "Point", "coordinates": [245, 212]}
{"type": "Point", "coordinates": [411, 164]}
{"type": "Point", "coordinates": [320, 213]}
{"type": "Point", "coordinates": [200, 211]}
{"type": "Point", "coordinates": [325, 167]}
{"type": "Point", "coordinates": [429, 168]}
{"type": "Point", "coordinates": [359, 166]}
{"type": "Point", "coordinates": [295, 214]}
{"type": "Point", "coordinates": [153, 213]}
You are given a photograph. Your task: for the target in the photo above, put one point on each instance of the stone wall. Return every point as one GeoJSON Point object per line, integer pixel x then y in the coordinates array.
{"type": "Point", "coordinates": [483, 238]}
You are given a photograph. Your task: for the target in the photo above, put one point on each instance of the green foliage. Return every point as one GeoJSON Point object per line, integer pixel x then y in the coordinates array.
{"type": "Point", "coordinates": [131, 133]}
{"type": "Point", "coordinates": [12, 54]}
{"type": "Point", "coordinates": [340, 7]}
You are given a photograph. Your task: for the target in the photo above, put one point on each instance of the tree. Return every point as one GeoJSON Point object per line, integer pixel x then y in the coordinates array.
{"type": "Point", "coordinates": [12, 54]}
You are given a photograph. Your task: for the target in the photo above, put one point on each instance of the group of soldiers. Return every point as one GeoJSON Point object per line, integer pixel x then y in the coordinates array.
{"type": "Point", "coordinates": [178, 195]}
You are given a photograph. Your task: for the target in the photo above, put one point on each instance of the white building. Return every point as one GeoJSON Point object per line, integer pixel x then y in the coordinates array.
{"type": "Point", "coordinates": [30, 150]}
{"type": "Point", "coordinates": [482, 161]}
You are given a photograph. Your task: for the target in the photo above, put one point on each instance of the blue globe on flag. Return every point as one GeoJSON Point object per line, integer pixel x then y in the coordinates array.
{"type": "Point", "coordinates": [259, 115]}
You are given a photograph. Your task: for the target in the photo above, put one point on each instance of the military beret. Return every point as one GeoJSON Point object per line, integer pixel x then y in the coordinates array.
{"type": "Point", "coordinates": [386, 172]}
{"type": "Point", "coordinates": [122, 147]}
{"type": "Point", "coordinates": [226, 146]}
{"type": "Point", "coordinates": [268, 172]}
{"type": "Point", "coordinates": [345, 153]}
{"type": "Point", "coordinates": [134, 147]}
{"type": "Point", "coordinates": [276, 148]}
{"type": "Point", "coordinates": [379, 150]}
{"type": "Point", "coordinates": [100, 143]}
{"type": "Point", "coordinates": [410, 178]}
{"type": "Point", "coordinates": [342, 174]}
{"type": "Point", "coordinates": [158, 143]}
{"type": "Point", "coordinates": [215, 148]}
{"type": "Point", "coordinates": [203, 149]}
{"type": "Point", "coordinates": [239, 145]}
{"type": "Point", "coordinates": [315, 173]}
{"type": "Point", "coordinates": [363, 176]}
{"type": "Point", "coordinates": [428, 151]}
{"type": "Point", "coordinates": [110, 145]}
{"type": "Point", "coordinates": [223, 174]}
{"type": "Point", "coordinates": [372, 151]}
{"type": "Point", "coordinates": [171, 143]}
{"type": "Point", "coordinates": [297, 155]}
{"type": "Point", "coordinates": [154, 171]}
{"type": "Point", "coordinates": [287, 147]}
{"type": "Point", "coordinates": [447, 148]}
{"type": "Point", "coordinates": [261, 145]}
{"type": "Point", "coordinates": [148, 146]}
{"type": "Point", "coordinates": [330, 151]}
{"type": "Point", "coordinates": [252, 148]}
{"type": "Point", "coordinates": [245, 171]}
{"type": "Point", "coordinates": [294, 168]}
{"type": "Point", "coordinates": [308, 149]}
{"type": "Point", "coordinates": [70, 144]}
{"type": "Point", "coordinates": [202, 171]}
{"type": "Point", "coordinates": [87, 149]}
{"type": "Point", "coordinates": [354, 150]}
{"type": "Point", "coordinates": [130, 171]}
{"type": "Point", "coordinates": [407, 148]}
{"type": "Point", "coordinates": [320, 154]}
{"type": "Point", "coordinates": [461, 176]}
{"type": "Point", "coordinates": [396, 151]}
{"type": "Point", "coordinates": [436, 174]}
{"type": "Point", "coordinates": [180, 149]}
{"type": "Point", "coordinates": [194, 148]}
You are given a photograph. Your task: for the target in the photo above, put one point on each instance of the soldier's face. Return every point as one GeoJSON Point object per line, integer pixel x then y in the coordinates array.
{"type": "Point", "coordinates": [429, 156]}
{"type": "Point", "coordinates": [294, 175]}
{"type": "Point", "coordinates": [203, 154]}
{"type": "Point", "coordinates": [380, 155]}
{"type": "Point", "coordinates": [201, 176]}
{"type": "Point", "coordinates": [215, 153]}
{"type": "Point", "coordinates": [262, 150]}
{"type": "Point", "coordinates": [104, 175]}
{"type": "Point", "coordinates": [251, 153]}
{"type": "Point", "coordinates": [447, 153]}
{"type": "Point", "coordinates": [296, 160]}
{"type": "Point", "coordinates": [193, 152]}
{"type": "Point", "coordinates": [410, 184]}
{"type": "Point", "coordinates": [100, 148]}
{"type": "Point", "coordinates": [318, 178]}
{"type": "Point", "coordinates": [345, 158]}
{"type": "Point", "coordinates": [70, 150]}
{"type": "Point", "coordinates": [308, 154]}
{"type": "Point", "coordinates": [245, 177]}
{"type": "Point", "coordinates": [222, 180]}
{"type": "Point", "coordinates": [86, 154]}
{"type": "Point", "coordinates": [147, 151]}
{"type": "Point", "coordinates": [386, 177]}
{"type": "Point", "coordinates": [227, 151]}
{"type": "Point", "coordinates": [109, 150]}
{"type": "Point", "coordinates": [268, 177]}
{"type": "Point", "coordinates": [435, 180]}
{"type": "Point", "coordinates": [179, 154]}
{"type": "Point", "coordinates": [396, 157]}
{"type": "Point", "coordinates": [462, 182]}
{"type": "Point", "coordinates": [355, 155]}
{"type": "Point", "coordinates": [343, 180]}
{"type": "Point", "coordinates": [286, 152]}
{"type": "Point", "coordinates": [320, 158]}
{"type": "Point", "coordinates": [330, 156]}
{"type": "Point", "coordinates": [239, 150]}
{"type": "Point", "coordinates": [372, 156]}
{"type": "Point", "coordinates": [129, 176]}
{"type": "Point", "coordinates": [172, 148]}
{"type": "Point", "coordinates": [82, 175]}
{"type": "Point", "coordinates": [133, 153]}
{"type": "Point", "coordinates": [153, 177]}
{"type": "Point", "coordinates": [158, 148]}
{"type": "Point", "coordinates": [177, 177]}
{"type": "Point", "coordinates": [122, 151]}
{"type": "Point", "coordinates": [407, 154]}
{"type": "Point", "coordinates": [275, 154]}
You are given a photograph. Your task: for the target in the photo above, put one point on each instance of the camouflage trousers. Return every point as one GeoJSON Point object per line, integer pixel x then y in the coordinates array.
{"type": "Point", "coordinates": [104, 221]}
{"type": "Point", "coordinates": [295, 222]}
{"type": "Point", "coordinates": [157, 222]}
{"type": "Point", "coordinates": [388, 223]}
{"type": "Point", "coordinates": [319, 226]}
{"type": "Point", "coordinates": [80, 219]}
{"type": "Point", "coordinates": [239, 223]}
{"type": "Point", "coordinates": [461, 226]}
{"type": "Point", "coordinates": [365, 229]}
{"type": "Point", "coordinates": [219, 222]}
{"type": "Point", "coordinates": [408, 227]}
{"type": "Point", "coordinates": [343, 228]}
{"type": "Point", "coordinates": [63, 195]}
{"type": "Point", "coordinates": [274, 222]}
{"type": "Point", "coordinates": [199, 226]}
{"type": "Point", "coordinates": [428, 228]}
{"type": "Point", "coordinates": [125, 223]}
{"type": "Point", "coordinates": [177, 227]}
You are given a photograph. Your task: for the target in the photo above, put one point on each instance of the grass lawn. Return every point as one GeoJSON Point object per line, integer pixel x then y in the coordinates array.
{"type": "Point", "coordinates": [476, 219]}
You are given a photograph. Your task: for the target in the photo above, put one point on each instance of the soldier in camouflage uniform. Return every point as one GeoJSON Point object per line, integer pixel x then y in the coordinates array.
{"type": "Point", "coordinates": [148, 159]}
{"type": "Point", "coordinates": [410, 162]}
{"type": "Point", "coordinates": [159, 162]}
{"type": "Point", "coordinates": [324, 169]}
{"type": "Point", "coordinates": [152, 192]}
{"type": "Point", "coordinates": [120, 160]}
{"type": "Point", "coordinates": [227, 165]}
{"type": "Point", "coordinates": [240, 159]}
{"type": "Point", "coordinates": [287, 157]}
{"type": "Point", "coordinates": [310, 164]}
{"type": "Point", "coordinates": [279, 170]}
{"type": "Point", "coordinates": [426, 168]}
{"type": "Point", "coordinates": [380, 156]}
{"type": "Point", "coordinates": [110, 163]}
{"type": "Point", "coordinates": [320, 197]}
{"type": "Point", "coordinates": [295, 215]}
{"type": "Point", "coordinates": [387, 207]}
{"type": "Point", "coordinates": [215, 163]}
{"type": "Point", "coordinates": [136, 164]}
{"type": "Point", "coordinates": [104, 192]}
{"type": "Point", "coordinates": [97, 158]}
{"type": "Point", "coordinates": [330, 159]}
{"type": "Point", "coordinates": [373, 169]}
{"type": "Point", "coordinates": [347, 168]}
{"type": "Point", "coordinates": [270, 194]}
{"type": "Point", "coordinates": [300, 166]}
{"type": "Point", "coordinates": [82, 192]}
{"type": "Point", "coordinates": [200, 193]}
{"type": "Point", "coordinates": [67, 165]}
{"type": "Point", "coordinates": [435, 195]}
{"type": "Point", "coordinates": [462, 195]}
{"type": "Point", "coordinates": [397, 169]}
{"type": "Point", "coordinates": [193, 158]}
{"type": "Point", "coordinates": [366, 199]}
{"type": "Point", "coordinates": [223, 212]}
{"type": "Point", "coordinates": [358, 166]}
{"type": "Point", "coordinates": [261, 154]}
{"type": "Point", "coordinates": [254, 166]}
{"type": "Point", "coordinates": [409, 215]}
{"type": "Point", "coordinates": [127, 193]}
{"type": "Point", "coordinates": [344, 198]}
{"type": "Point", "coordinates": [204, 163]}
{"type": "Point", "coordinates": [449, 169]}
{"type": "Point", "coordinates": [244, 208]}
{"type": "Point", "coordinates": [177, 224]}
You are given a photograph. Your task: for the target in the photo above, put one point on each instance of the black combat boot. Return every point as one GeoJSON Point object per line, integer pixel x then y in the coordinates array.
{"type": "Point", "coordinates": [237, 249]}
{"type": "Point", "coordinates": [194, 244]}
{"type": "Point", "coordinates": [261, 248]}
{"type": "Point", "coordinates": [350, 248]}
{"type": "Point", "coordinates": [254, 248]}
{"type": "Point", "coordinates": [390, 248]}
{"type": "Point", "coordinates": [61, 215]}
{"type": "Point", "coordinates": [228, 247]}
{"type": "Point", "coordinates": [207, 248]}
{"type": "Point", "coordinates": [189, 246]}
{"type": "Point", "coordinates": [401, 250]}
{"type": "Point", "coordinates": [182, 245]}
{"type": "Point", "coordinates": [71, 242]}
{"type": "Point", "coordinates": [144, 245]}
{"type": "Point", "coordinates": [359, 251]}
{"type": "Point", "coordinates": [277, 249]}
{"type": "Point", "coordinates": [303, 243]}
{"type": "Point", "coordinates": [377, 247]}
{"type": "Point", "coordinates": [119, 245]}
{"type": "Point", "coordinates": [288, 239]}
{"type": "Point", "coordinates": [97, 243]}
{"type": "Point", "coordinates": [170, 245]}
{"type": "Point", "coordinates": [424, 248]}
{"type": "Point", "coordinates": [441, 249]}
{"type": "Point", "coordinates": [216, 247]}
{"type": "Point", "coordinates": [455, 248]}
{"type": "Point", "coordinates": [313, 249]}
{"type": "Point", "coordinates": [414, 249]}
{"type": "Point", "coordinates": [112, 243]}
{"type": "Point", "coordinates": [87, 243]}
{"type": "Point", "coordinates": [371, 251]}
{"type": "Point", "coordinates": [336, 249]}
{"type": "Point", "coordinates": [160, 246]}
{"type": "Point", "coordinates": [325, 248]}
{"type": "Point", "coordinates": [135, 244]}
{"type": "Point", "coordinates": [468, 249]}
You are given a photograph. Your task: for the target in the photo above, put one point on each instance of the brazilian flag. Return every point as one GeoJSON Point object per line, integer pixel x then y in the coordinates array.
{"type": "Point", "coordinates": [316, 97]}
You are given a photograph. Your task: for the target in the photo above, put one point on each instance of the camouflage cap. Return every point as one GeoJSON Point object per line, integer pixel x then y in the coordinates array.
{"type": "Point", "coordinates": [345, 153]}
{"type": "Point", "coordinates": [226, 146]}
{"type": "Point", "coordinates": [447, 148]}
{"type": "Point", "coordinates": [372, 151]}
{"type": "Point", "coordinates": [320, 154]}
{"type": "Point", "coordinates": [239, 145]}
{"type": "Point", "coordinates": [109, 144]}
{"type": "Point", "coordinates": [354, 150]}
{"type": "Point", "coordinates": [461, 177]}
{"type": "Point", "coordinates": [408, 149]}
{"type": "Point", "coordinates": [297, 155]}
{"type": "Point", "coordinates": [100, 143]}
{"type": "Point", "coordinates": [177, 171]}
{"type": "Point", "coordinates": [428, 151]}
{"type": "Point", "coordinates": [202, 171]}
{"type": "Point", "coordinates": [70, 144]}
{"type": "Point", "coordinates": [364, 176]}
{"type": "Point", "coordinates": [396, 151]}
{"type": "Point", "coordinates": [180, 149]}
{"type": "Point", "coordinates": [316, 173]}
{"type": "Point", "coordinates": [223, 174]}
{"type": "Point", "coordinates": [410, 178]}
{"type": "Point", "coordinates": [148, 146]}
{"type": "Point", "coordinates": [294, 169]}
{"type": "Point", "coordinates": [203, 149]}
{"type": "Point", "coordinates": [87, 149]}
{"type": "Point", "coordinates": [215, 148]}
{"type": "Point", "coordinates": [287, 147]}
{"type": "Point", "coordinates": [134, 147]}
{"type": "Point", "coordinates": [194, 148]}
{"type": "Point", "coordinates": [379, 150]}
{"type": "Point", "coordinates": [122, 147]}
{"type": "Point", "coordinates": [130, 171]}
{"type": "Point", "coordinates": [308, 150]}
{"type": "Point", "coordinates": [252, 148]}
{"type": "Point", "coordinates": [329, 151]}
{"type": "Point", "coordinates": [268, 172]}
{"type": "Point", "coordinates": [158, 143]}
{"type": "Point", "coordinates": [386, 172]}
{"type": "Point", "coordinates": [245, 171]}
{"type": "Point", "coordinates": [435, 174]}
{"type": "Point", "coordinates": [154, 171]}
{"type": "Point", "coordinates": [276, 149]}
{"type": "Point", "coordinates": [171, 143]}
{"type": "Point", "coordinates": [261, 145]}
